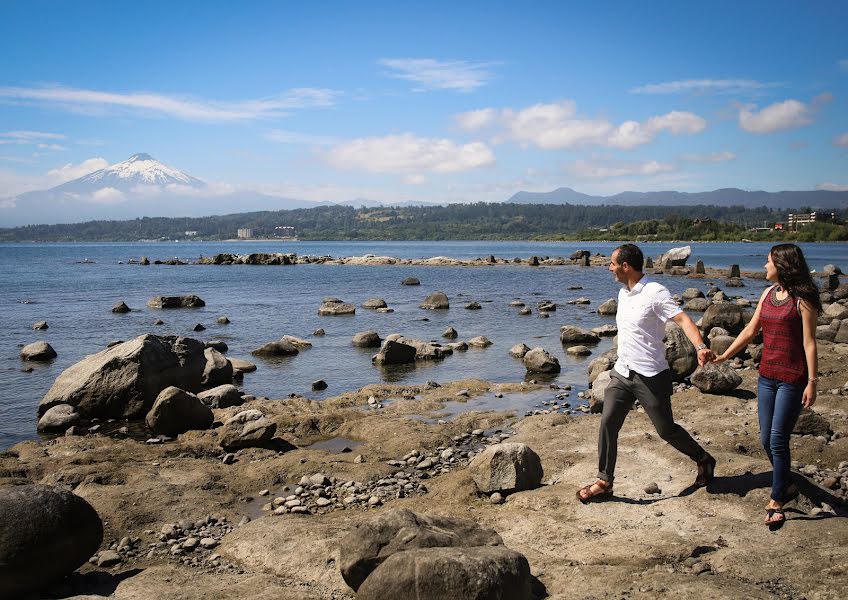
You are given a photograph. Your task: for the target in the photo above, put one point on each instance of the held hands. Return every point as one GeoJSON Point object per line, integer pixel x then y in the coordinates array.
{"type": "Point", "coordinates": [705, 355]}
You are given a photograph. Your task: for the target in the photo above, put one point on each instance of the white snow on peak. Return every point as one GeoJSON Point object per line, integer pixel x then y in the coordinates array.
{"type": "Point", "coordinates": [143, 169]}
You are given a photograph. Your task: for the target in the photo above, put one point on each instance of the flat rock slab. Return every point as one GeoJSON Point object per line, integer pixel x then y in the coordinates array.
{"type": "Point", "coordinates": [191, 301]}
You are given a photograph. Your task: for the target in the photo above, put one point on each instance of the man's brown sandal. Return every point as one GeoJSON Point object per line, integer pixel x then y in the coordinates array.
{"type": "Point", "coordinates": [586, 495]}
{"type": "Point", "coordinates": [706, 471]}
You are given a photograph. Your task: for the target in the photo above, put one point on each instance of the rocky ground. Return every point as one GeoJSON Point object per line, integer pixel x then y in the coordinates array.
{"type": "Point", "coordinates": [183, 519]}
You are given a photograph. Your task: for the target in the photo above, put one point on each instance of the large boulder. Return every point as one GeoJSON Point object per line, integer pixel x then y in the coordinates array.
{"type": "Point", "coordinates": [336, 308]}
{"type": "Point", "coordinates": [599, 388]}
{"type": "Point", "coordinates": [247, 429]}
{"type": "Point", "coordinates": [272, 349]}
{"type": "Point", "coordinates": [191, 301]}
{"type": "Point", "coordinates": [610, 307]}
{"type": "Point", "coordinates": [400, 530]}
{"type": "Point", "coordinates": [720, 343]}
{"type": "Point", "coordinates": [698, 304]}
{"type": "Point", "coordinates": [123, 381]}
{"type": "Point", "coordinates": [424, 350]}
{"type": "Point", "coordinates": [539, 360]}
{"type": "Point", "coordinates": [726, 316]}
{"type": "Point", "coordinates": [374, 303]}
{"type": "Point", "coordinates": [508, 467]}
{"type": "Point", "coordinates": [571, 334]}
{"type": "Point", "coordinates": [58, 418]}
{"type": "Point", "coordinates": [841, 336]}
{"type": "Point", "coordinates": [366, 339]}
{"type": "Point", "coordinates": [690, 293]}
{"type": "Point", "coordinates": [481, 341]}
{"type": "Point", "coordinates": [177, 411]}
{"type": "Point", "coordinates": [811, 423]}
{"type": "Point", "coordinates": [394, 353]}
{"type": "Point", "coordinates": [715, 378]}
{"type": "Point", "coordinates": [519, 350]}
{"type": "Point", "coordinates": [223, 396]}
{"type": "Point", "coordinates": [477, 573]}
{"type": "Point", "coordinates": [218, 369]}
{"type": "Point", "coordinates": [836, 311]}
{"type": "Point", "coordinates": [677, 256]}
{"type": "Point", "coordinates": [38, 352]}
{"type": "Point", "coordinates": [436, 301]}
{"type": "Point", "coordinates": [46, 533]}
{"type": "Point", "coordinates": [598, 366]}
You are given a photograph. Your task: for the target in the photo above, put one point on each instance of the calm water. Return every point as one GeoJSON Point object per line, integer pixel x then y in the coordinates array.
{"type": "Point", "coordinates": [50, 282]}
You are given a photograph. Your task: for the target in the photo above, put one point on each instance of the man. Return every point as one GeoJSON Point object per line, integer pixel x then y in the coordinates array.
{"type": "Point", "coordinates": [641, 371]}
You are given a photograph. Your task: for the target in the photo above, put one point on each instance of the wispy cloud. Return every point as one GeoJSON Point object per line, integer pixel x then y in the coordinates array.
{"type": "Point", "coordinates": [714, 157]}
{"type": "Point", "coordinates": [431, 74]}
{"type": "Point", "coordinates": [780, 116]}
{"type": "Point", "coordinates": [71, 171]}
{"type": "Point", "coordinates": [27, 137]}
{"type": "Point", "coordinates": [178, 107]}
{"type": "Point", "coordinates": [841, 140]}
{"type": "Point", "coordinates": [409, 154]}
{"type": "Point", "coordinates": [556, 126]}
{"type": "Point", "coordinates": [587, 169]}
{"type": "Point", "coordinates": [833, 187]}
{"type": "Point", "coordinates": [704, 86]}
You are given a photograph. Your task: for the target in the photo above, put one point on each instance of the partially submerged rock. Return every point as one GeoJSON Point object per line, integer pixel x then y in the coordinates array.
{"type": "Point", "coordinates": [436, 301]}
{"type": "Point", "coordinates": [539, 360]}
{"type": "Point", "coordinates": [38, 352]}
{"type": "Point", "coordinates": [190, 301]}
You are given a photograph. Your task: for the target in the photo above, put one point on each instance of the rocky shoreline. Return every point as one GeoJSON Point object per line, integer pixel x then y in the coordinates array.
{"type": "Point", "coordinates": [230, 496]}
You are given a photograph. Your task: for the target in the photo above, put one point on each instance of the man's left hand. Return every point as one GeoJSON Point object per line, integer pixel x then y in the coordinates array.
{"type": "Point", "coordinates": [705, 355]}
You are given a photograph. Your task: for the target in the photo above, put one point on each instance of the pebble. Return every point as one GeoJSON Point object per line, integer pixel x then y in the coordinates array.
{"type": "Point", "coordinates": [496, 498]}
{"type": "Point", "coordinates": [652, 488]}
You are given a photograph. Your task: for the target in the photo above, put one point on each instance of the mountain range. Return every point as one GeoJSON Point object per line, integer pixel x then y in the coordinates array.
{"type": "Point", "coordinates": [141, 186]}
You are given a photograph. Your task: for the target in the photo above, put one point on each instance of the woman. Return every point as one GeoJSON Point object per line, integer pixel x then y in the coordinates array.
{"type": "Point", "coordinates": [787, 314]}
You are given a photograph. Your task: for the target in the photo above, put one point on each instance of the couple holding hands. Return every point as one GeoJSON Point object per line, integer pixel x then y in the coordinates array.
{"type": "Point", "coordinates": [787, 314]}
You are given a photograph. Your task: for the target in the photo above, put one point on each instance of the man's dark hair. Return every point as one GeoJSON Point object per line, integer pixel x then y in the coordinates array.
{"type": "Point", "coordinates": [630, 254]}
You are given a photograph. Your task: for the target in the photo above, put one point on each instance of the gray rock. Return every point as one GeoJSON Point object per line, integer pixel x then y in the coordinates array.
{"type": "Point", "coordinates": [336, 308]}
{"type": "Point", "coordinates": [571, 334]}
{"type": "Point", "coordinates": [219, 345]}
{"type": "Point", "coordinates": [734, 273]}
{"type": "Point", "coordinates": [223, 396]}
{"type": "Point", "coordinates": [411, 281]}
{"type": "Point", "coordinates": [38, 352]}
{"type": "Point", "coordinates": [598, 366]}
{"type": "Point", "coordinates": [811, 423]}
{"type": "Point", "coordinates": [698, 304]}
{"type": "Point", "coordinates": [47, 533]}
{"type": "Point", "coordinates": [578, 351]}
{"type": "Point", "coordinates": [481, 341]}
{"type": "Point", "coordinates": [319, 385]}
{"type": "Point", "coordinates": [608, 330]}
{"type": "Point", "coordinates": [473, 306]}
{"type": "Point", "coordinates": [727, 316]}
{"type": "Point", "coordinates": [272, 349]}
{"type": "Point", "coordinates": [599, 388]}
{"type": "Point", "coordinates": [716, 378]}
{"type": "Point", "coordinates": [242, 365]}
{"type": "Point", "coordinates": [676, 256]}
{"type": "Point", "coordinates": [318, 332]}
{"type": "Point", "coordinates": [506, 468]}
{"type": "Point", "coordinates": [717, 331]}
{"type": "Point", "coordinates": [123, 381]}
{"type": "Point", "coordinates": [247, 429]}
{"type": "Point", "coordinates": [525, 311]}
{"type": "Point", "coordinates": [456, 573]}
{"type": "Point", "coordinates": [841, 336]}
{"type": "Point", "coordinates": [539, 360]}
{"type": "Point", "coordinates": [108, 558]}
{"type": "Point", "coordinates": [40, 325]}
{"type": "Point", "coordinates": [177, 411]}
{"type": "Point", "coordinates": [58, 418]}
{"type": "Point", "coordinates": [831, 270]}
{"type": "Point", "coordinates": [450, 333]}
{"type": "Point", "coordinates": [436, 301]}
{"type": "Point", "coordinates": [191, 301]}
{"type": "Point", "coordinates": [299, 343]}
{"type": "Point", "coordinates": [610, 307]}
{"type": "Point", "coordinates": [366, 339]}
{"type": "Point", "coordinates": [734, 282]}
{"type": "Point", "coordinates": [721, 343]}
{"type": "Point", "coordinates": [400, 530]}
{"type": "Point", "coordinates": [836, 311]}
{"type": "Point", "coordinates": [519, 350]}
{"type": "Point", "coordinates": [374, 303]}
{"type": "Point", "coordinates": [121, 308]}
{"type": "Point", "coordinates": [218, 369]}
{"type": "Point", "coordinates": [223, 320]}
{"type": "Point", "coordinates": [394, 353]}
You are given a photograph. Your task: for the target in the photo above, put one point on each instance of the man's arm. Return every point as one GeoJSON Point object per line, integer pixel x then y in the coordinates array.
{"type": "Point", "coordinates": [692, 332]}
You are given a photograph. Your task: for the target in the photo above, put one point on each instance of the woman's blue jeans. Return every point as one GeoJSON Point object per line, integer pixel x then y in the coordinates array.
{"type": "Point", "coordinates": [779, 404]}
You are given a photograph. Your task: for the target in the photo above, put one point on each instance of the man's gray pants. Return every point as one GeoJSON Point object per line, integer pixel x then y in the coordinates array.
{"type": "Point", "coordinates": [654, 394]}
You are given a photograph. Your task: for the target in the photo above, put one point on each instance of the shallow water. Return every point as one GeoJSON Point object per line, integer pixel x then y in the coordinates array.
{"type": "Point", "coordinates": [52, 282]}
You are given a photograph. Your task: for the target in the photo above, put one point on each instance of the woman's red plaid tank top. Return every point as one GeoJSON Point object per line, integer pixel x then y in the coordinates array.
{"type": "Point", "coordinates": [783, 340]}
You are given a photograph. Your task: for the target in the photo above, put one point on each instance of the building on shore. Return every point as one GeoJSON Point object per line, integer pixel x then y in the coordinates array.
{"type": "Point", "coordinates": [796, 220]}
{"type": "Point", "coordinates": [245, 233]}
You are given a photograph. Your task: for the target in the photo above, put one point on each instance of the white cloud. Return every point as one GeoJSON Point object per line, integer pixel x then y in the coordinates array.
{"type": "Point", "coordinates": [430, 74]}
{"type": "Point", "coordinates": [585, 169]}
{"type": "Point", "coordinates": [71, 171]}
{"type": "Point", "coordinates": [780, 116]}
{"type": "Point", "coordinates": [31, 136]}
{"type": "Point", "coordinates": [833, 187]}
{"type": "Point", "coordinates": [557, 126]}
{"type": "Point", "coordinates": [841, 140]}
{"type": "Point", "coordinates": [51, 147]}
{"type": "Point", "coordinates": [178, 107]}
{"type": "Point", "coordinates": [703, 86]}
{"type": "Point", "coordinates": [714, 157]}
{"type": "Point", "coordinates": [415, 179]}
{"type": "Point", "coordinates": [107, 195]}
{"type": "Point", "coordinates": [407, 153]}
{"type": "Point", "coordinates": [476, 119]}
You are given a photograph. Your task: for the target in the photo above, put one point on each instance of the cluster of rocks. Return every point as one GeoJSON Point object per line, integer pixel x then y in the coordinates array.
{"type": "Point", "coordinates": [318, 493]}
{"type": "Point", "coordinates": [187, 541]}
{"type": "Point", "coordinates": [835, 480]}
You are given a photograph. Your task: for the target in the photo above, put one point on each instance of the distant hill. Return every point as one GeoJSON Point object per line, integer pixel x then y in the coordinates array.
{"type": "Point", "coordinates": [819, 199]}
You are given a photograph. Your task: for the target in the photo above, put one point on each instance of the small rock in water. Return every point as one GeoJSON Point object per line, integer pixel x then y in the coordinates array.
{"type": "Point", "coordinates": [319, 385]}
{"type": "Point", "coordinates": [223, 320]}
{"type": "Point", "coordinates": [319, 331]}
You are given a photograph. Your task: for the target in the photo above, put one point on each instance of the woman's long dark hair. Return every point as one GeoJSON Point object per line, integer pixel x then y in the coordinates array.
{"type": "Point", "coordinates": [793, 274]}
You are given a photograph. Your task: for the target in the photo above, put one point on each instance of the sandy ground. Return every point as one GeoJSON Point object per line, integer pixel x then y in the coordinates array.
{"type": "Point", "coordinates": [680, 543]}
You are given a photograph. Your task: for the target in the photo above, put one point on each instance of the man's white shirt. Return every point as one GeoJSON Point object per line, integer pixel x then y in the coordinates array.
{"type": "Point", "coordinates": [641, 318]}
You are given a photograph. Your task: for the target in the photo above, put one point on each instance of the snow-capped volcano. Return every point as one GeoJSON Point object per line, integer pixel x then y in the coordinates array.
{"type": "Point", "coordinates": [138, 170]}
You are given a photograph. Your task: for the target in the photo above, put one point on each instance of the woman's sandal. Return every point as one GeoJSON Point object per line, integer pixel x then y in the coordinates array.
{"type": "Point", "coordinates": [706, 471]}
{"type": "Point", "coordinates": [586, 495]}
{"type": "Point", "coordinates": [770, 514]}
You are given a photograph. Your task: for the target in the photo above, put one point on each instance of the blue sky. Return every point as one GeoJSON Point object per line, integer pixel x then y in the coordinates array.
{"type": "Point", "coordinates": [435, 101]}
